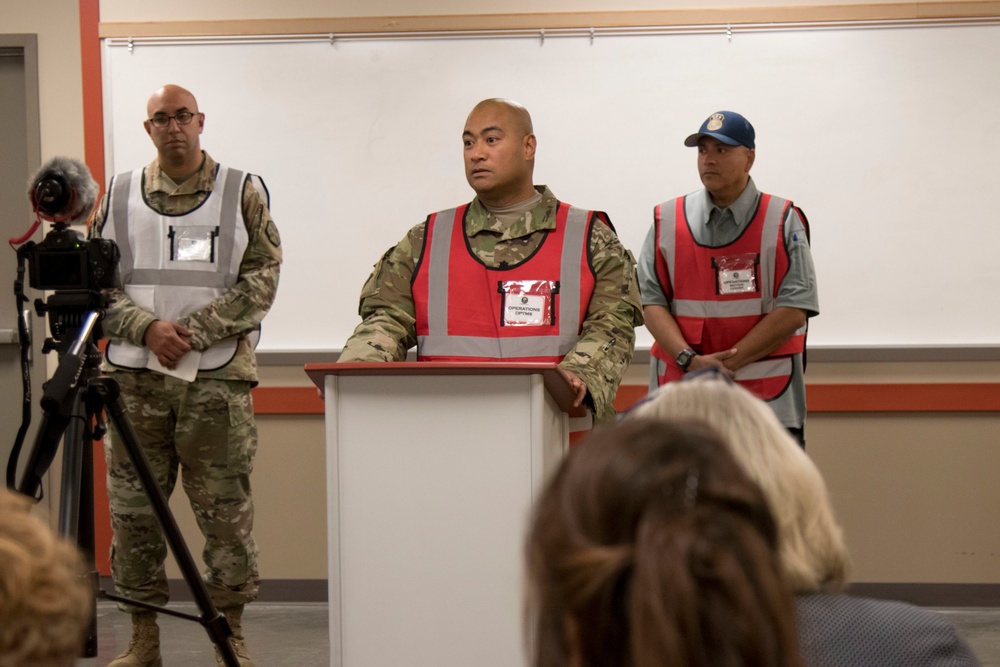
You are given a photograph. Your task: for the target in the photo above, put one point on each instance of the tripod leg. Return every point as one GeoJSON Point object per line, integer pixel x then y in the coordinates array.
{"type": "Point", "coordinates": [85, 536]}
{"type": "Point", "coordinates": [71, 484]}
{"type": "Point", "coordinates": [215, 624]}
{"type": "Point", "coordinates": [76, 499]}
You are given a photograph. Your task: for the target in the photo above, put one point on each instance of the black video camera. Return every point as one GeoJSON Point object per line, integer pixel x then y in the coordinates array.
{"type": "Point", "coordinates": [77, 270]}
{"type": "Point", "coordinates": [63, 191]}
{"type": "Point", "coordinates": [64, 260]}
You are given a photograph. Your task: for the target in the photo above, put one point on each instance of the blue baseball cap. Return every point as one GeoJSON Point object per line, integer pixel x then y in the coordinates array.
{"type": "Point", "coordinates": [728, 127]}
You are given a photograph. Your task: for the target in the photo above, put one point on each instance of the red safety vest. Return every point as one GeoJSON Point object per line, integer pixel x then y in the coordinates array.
{"type": "Point", "coordinates": [712, 321]}
{"type": "Point", "coordinates": [460, 303]}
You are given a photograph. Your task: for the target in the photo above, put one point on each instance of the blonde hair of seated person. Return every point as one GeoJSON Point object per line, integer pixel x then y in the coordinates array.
{"type": "Point", "coordinates": [810, 541]}
{"type": "Point", "coordinates": [45, 601]}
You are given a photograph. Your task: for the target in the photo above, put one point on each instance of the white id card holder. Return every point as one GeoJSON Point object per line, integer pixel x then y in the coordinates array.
{"type": "Point", "coordinates": [527, 303]}
{"type": "Point", "coordinates": [193, 244]}
{"type": "Point", "coordinates": [736, 274]}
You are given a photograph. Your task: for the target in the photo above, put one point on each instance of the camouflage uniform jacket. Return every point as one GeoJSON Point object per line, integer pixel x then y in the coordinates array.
{"type": "Point", "coordinates": [604, 350]}
{"type": "Point", "coordinates": [241, 308]}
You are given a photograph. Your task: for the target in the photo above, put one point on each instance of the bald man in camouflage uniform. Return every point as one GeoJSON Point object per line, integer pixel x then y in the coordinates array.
{"type": "Point", "coordinates": [204, 427]}
{"type": "Point", "coordinates": [504, 227]}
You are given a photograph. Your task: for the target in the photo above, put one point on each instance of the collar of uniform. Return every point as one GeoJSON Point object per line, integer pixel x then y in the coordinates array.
{"type": "Point", "coordinates": [745, 205]}
{"type": "Point", "coordinates": [202, 181]}
{"type": "Point", "coordinates": [542, 217]}
{"type": "Point", "coordinates": [699, 207]}
{"type": "Point", "coordinates": [743, 208]}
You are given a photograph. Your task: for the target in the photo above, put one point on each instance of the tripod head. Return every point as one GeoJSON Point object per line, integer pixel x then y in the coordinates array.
{"type": "Point", "coordinates": [68, 312]}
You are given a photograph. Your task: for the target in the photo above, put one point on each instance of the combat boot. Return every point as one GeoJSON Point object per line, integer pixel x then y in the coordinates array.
{"type": "Point", "coordinates": [234, 615]}
{"type": "Point", "coordinates": [144, 649]}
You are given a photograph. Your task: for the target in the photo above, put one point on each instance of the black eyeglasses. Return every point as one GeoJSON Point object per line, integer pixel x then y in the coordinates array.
{"type": "Point", "coordinates": [182, 118]}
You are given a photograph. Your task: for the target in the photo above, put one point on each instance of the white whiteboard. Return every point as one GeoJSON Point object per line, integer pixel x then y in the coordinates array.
{"type": "Point", "coordinates": [887, 138]}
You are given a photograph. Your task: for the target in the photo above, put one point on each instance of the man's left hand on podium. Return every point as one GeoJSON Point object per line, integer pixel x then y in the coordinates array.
{"type": "Point", "coordinates": [578, 385]}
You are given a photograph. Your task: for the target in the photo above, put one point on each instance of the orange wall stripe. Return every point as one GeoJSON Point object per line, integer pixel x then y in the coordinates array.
{"type": "Point", "coordinates": [287, 401]}
{"type": "Point", "coordinates": [93, 146]}
{"type": "Point", "coordinates": [93, 105]}
{"type": "Point", "coordinates": [628, 395]}
{"type": "Point", "coordinates": [957, 397]}
{"type": "Point", "coordinates": [941, 397]}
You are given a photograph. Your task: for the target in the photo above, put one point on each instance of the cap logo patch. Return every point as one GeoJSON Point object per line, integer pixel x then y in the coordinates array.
{"type": "Point", "coordinates": [715, 122]}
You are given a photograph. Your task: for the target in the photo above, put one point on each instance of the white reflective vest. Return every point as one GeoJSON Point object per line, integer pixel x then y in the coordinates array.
{"type": "Point", "coordinates": [174, 265]}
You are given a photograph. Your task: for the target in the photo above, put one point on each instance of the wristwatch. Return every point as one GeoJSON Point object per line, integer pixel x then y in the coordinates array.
{"type": "Point", "coordinates": [685, 357]}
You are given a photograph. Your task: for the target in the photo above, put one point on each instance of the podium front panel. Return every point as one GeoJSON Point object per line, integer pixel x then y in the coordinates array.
{"type": "Point", "coordinates": [431, 481]}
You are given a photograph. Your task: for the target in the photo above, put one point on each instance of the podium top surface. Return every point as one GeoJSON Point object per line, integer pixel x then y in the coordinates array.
{"type": "Point", "coordinates": [555, 382]}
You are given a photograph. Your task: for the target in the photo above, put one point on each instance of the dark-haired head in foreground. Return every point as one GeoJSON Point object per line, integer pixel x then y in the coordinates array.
{"type": "Point", "coordinates": [650, 546]}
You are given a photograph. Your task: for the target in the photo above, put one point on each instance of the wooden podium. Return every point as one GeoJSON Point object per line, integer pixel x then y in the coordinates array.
{"type": "Point", "coordinates": [432, 469]}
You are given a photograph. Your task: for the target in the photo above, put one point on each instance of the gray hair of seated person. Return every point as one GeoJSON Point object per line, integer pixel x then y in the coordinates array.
{"type": "Point", "coordinates": [45, 601]}
{"type": "Point", "coordinates": [810, 541]}
{"type": "Point", "coordinates": [650, 546]}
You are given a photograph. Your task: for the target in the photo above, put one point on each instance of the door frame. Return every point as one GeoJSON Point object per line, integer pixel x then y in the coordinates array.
{"type": "Point", "coordinates": [27, 44]}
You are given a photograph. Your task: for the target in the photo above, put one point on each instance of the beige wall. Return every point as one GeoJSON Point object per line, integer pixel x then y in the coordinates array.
{"type": "Point", "coordinates": [60, 88]}
{"type": "Point", "coordinates": [916, 493]}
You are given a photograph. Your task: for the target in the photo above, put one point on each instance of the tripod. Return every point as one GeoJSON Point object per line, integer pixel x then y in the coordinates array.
{"type": "Point", "coordinates": [76, 395]}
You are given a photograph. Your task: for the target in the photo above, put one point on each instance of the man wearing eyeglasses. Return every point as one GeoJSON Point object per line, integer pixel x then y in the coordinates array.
{"type": "Point", "coordinates": [727, 277]}
{"type": "Point", "coordinates": [199, 269]}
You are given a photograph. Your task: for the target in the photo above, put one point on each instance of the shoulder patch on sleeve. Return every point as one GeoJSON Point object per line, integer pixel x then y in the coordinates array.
{"type": "Point", "coordinates": [272, 234]}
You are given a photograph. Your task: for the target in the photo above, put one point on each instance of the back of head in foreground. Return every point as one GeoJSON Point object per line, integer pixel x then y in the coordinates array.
{"type": "Point", "coordinates": [45, 602]}
{"type": "Point", "coordinates": [651, 547]}
{"type": "Point", "coordinates": [810, 541]}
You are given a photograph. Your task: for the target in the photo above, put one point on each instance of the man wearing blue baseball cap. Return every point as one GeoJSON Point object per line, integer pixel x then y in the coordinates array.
{"type": "Point", "coordinates": [727, 277]}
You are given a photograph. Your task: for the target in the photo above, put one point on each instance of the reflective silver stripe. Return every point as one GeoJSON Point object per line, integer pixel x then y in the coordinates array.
{"type": "Point", "coordinates": [438, 343]}
{"type": "Point", "coordinates": [668, 247]}
{"type": "Point", "coordinates": [183, 278]}
{"type": "Point", "coordinates": [232, 197]}
{"type": "Point", "coordinates": [437, 273]}
{"type": "Point", "coordinates": [740, 308]}
{"type": "Point", "coordinates": [119, 218]}
{"type": "Point", "coordinates": [492, 348]}
{"type": "Point", "coordinates": [657, 367]}
{"type": "Point", "coordinates": [767, 368]}
{"type": "Point", "coordinates": [569, 278]}
{"type": "Point", "coordinates": [768, 252]}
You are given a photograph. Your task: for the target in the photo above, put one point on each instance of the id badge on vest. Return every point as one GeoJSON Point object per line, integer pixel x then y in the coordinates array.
{"type": "Point", "coordinates": [527, 303]}
{"type": "Point", "coordinates": [736, 274]}
{"type": "Point", "coordinates": [193, 243]}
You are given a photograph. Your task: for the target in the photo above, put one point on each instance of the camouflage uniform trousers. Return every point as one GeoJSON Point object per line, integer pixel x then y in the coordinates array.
{"type": "Point", "coordinates": [205, 429]}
